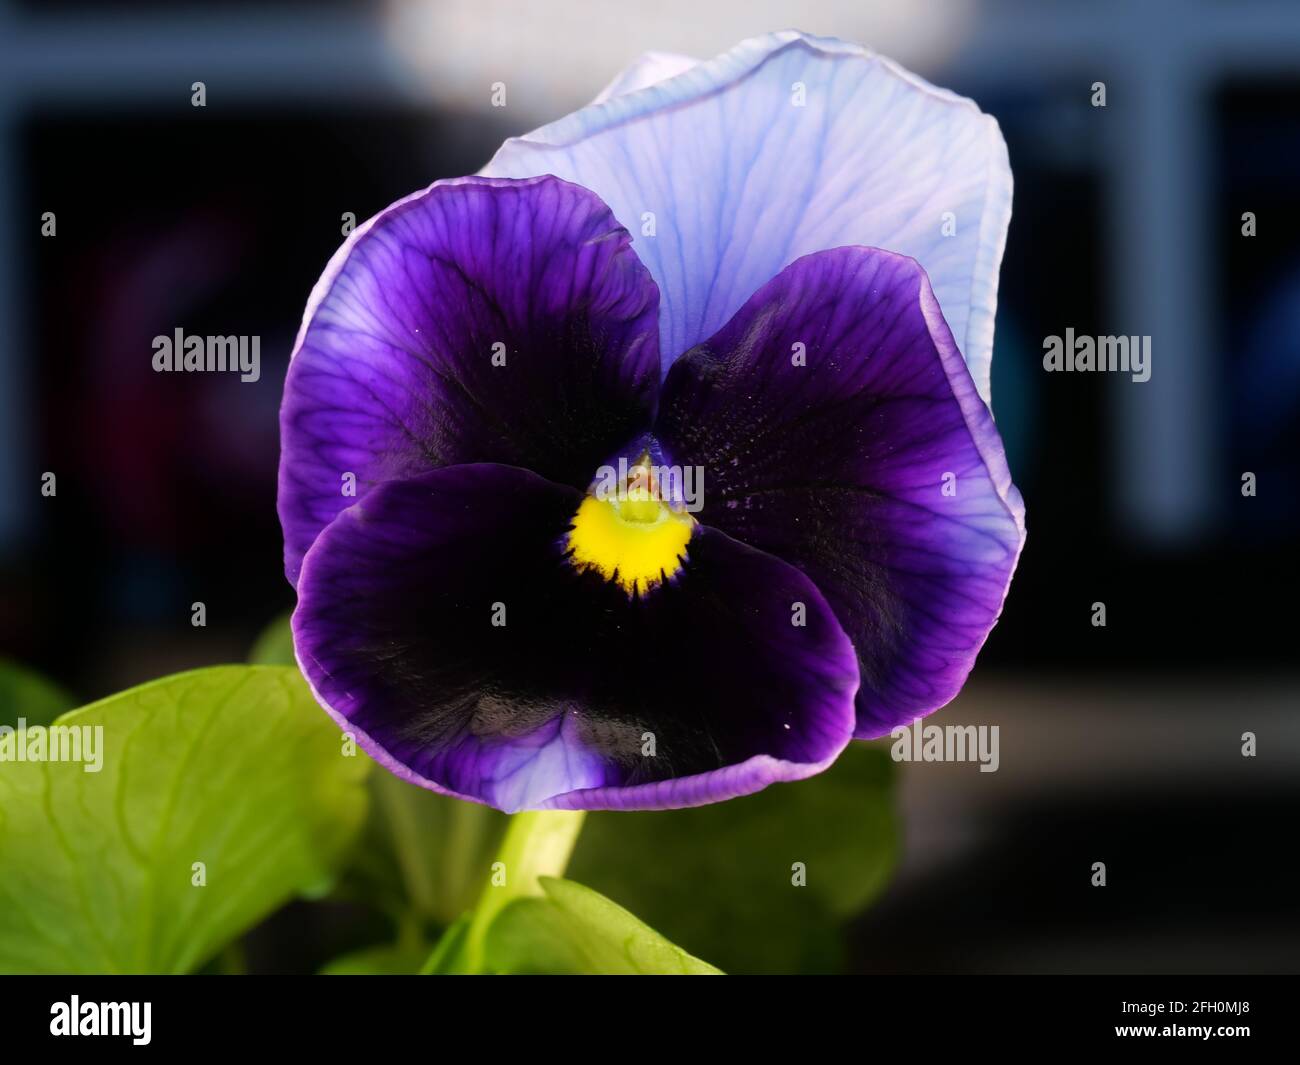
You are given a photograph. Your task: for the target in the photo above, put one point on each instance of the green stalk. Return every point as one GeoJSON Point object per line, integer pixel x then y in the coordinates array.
{"type": "Point", "coordinates": [537, 843]}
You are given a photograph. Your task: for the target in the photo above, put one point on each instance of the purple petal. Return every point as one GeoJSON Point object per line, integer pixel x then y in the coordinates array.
{"type": "Point", "coordinates": [555, 707]}
{"type": "Point", "coordinates": [874, 467]}
{"type": "Point", "coordinates": [786, 145]}
{"type": "Point", "coordinates": [394, 373]}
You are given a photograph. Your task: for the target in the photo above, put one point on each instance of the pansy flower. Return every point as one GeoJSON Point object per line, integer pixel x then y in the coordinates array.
{"type": "Point", "coordinates": [776, 270]}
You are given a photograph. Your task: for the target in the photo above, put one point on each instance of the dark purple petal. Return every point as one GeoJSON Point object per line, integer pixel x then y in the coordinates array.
{"type": "Point", "coordinates": [394, 630]}
{"type": "Point", "coordinates": [840, 466]}
{"type": "Point", "coordinates": [393, 372]}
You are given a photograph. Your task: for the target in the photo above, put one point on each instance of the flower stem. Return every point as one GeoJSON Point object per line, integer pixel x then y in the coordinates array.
{"type": "Point", "coordinates": [537, 843]}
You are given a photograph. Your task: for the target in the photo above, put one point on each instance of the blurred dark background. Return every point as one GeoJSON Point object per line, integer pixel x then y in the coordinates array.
{"type": "Point", "coordinates": [1119, 744]}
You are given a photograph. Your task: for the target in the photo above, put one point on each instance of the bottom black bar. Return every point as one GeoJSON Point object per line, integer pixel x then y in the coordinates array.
{"type": "Point", "coordinates": [1231, 1015]}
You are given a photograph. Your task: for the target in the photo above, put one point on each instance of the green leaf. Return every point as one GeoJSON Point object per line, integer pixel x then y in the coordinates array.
{"type": "Point", "coordinates": [394, 959]}
{"type": "Point", "coordinates": [27, 695]}
{"type": "Point", "coordinates": [720, 879]}
{"type": "Point", "coordinates": [421, 856]}
{"type": "Point", "coordinates": [574, 930]}
{"type": "Point", "coordinates": [449, 955]}
{"type": "Point", "coordinates": [529, 937]}
{"type": "Point", "coordinates": [536, 844]}
{"type": "Point", "coordinates": [274, 647]}
{"type": "Point", "coordinates": [235, 767]}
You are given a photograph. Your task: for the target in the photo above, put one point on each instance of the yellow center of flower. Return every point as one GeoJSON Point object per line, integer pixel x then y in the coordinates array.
{"type": "Point", "coordinates": [632, 537]}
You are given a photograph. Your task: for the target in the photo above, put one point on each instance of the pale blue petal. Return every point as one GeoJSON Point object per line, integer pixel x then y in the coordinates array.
{"type": "Point", "coordinates": [741, 182]}
{"type": "Point", "coordinates": [646, 70]}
